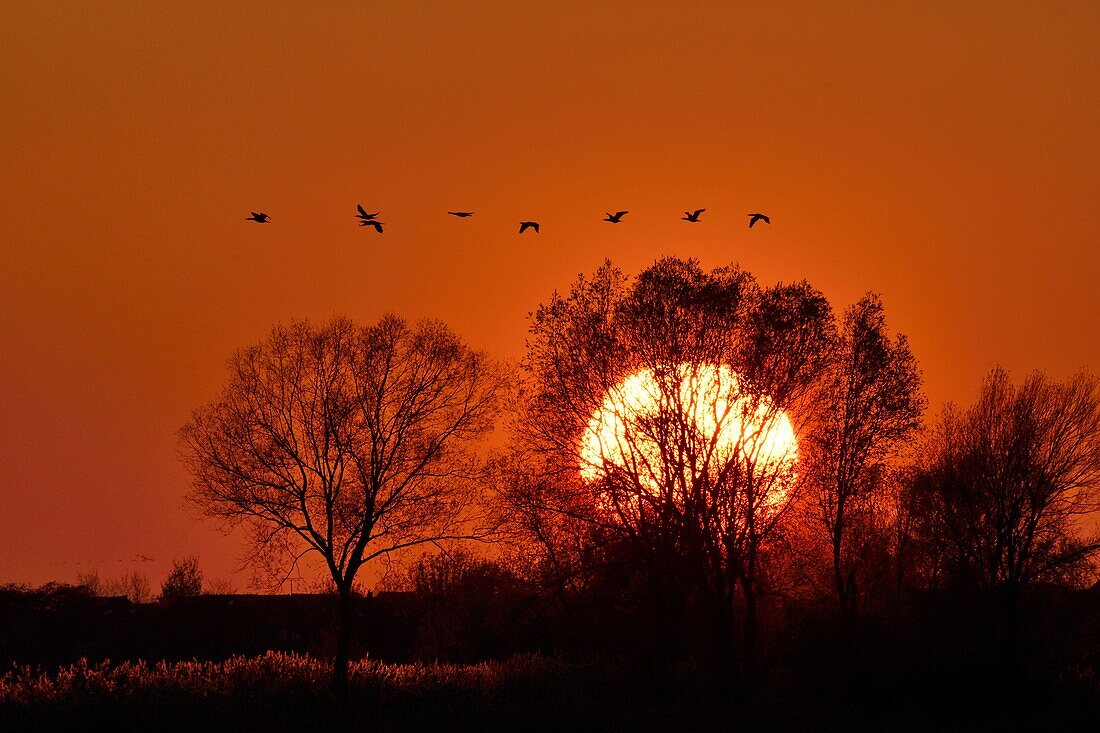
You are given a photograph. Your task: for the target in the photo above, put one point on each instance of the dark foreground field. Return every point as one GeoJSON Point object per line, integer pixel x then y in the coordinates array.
{"type": "Point", "coordinates": [281, 691]}
{"type": "Point", "coordinates": [940, 662]}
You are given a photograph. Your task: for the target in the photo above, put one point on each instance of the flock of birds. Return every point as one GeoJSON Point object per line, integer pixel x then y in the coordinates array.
{"type": "Point", "coordinates": [367, 219]}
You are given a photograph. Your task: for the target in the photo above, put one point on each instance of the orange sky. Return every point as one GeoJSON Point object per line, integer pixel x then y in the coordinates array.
{"type": "Point", "coordinates": [942, 155]}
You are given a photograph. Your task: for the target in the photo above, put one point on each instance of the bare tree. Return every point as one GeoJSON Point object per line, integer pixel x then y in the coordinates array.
{"type": "Point", "coordinates": [677, 399]}
{"type": "Point", "coordinates": [134, 586]}
{"type": "Point", "coordinates": [220, 587]}
{"type": "Point", "coordinates": [872, 405]}
{"type": "Point", "coordinates": [547, 520]}
{"type": "Point", "coordinates": [345, 441]}
{"type": "Point", "coordinates": [91, 582]}
{"type": "Point", "coordinates": [1001, 485]}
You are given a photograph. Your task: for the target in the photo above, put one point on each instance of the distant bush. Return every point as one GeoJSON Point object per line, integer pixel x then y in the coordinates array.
{"type": "Point", "coordinates": [185, 579]}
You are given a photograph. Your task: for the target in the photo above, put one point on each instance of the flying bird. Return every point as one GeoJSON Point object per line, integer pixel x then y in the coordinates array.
{"type": "Point", "coordinates": [363, 213]}
{"type": "Point", "coordinates": [525, 225]}
{"type": "Point", "coordinates": [258, 217]}
{"type": "Point", "coordinates": [753, 218]}
{"type": "Point", "coordinates": [461, 214]}
{"type": "Point", "coordinates": [616, 217]}
{"type": "Point", "coordinates": [689, 216]}
{"type": "Point", "coordinates": [372, 223]}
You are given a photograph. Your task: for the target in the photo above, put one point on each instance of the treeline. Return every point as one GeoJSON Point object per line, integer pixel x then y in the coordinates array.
{"type": "Point", "coordinates": [185, 578]}
{"type": "Point", "coordinates": [931, 655]}
{"type": "Point", "coordinates": [694, 460]}
{"type": "Point", "coordinates": [700, 470]}
{"type": "Point", "coordinates": [687, 490]}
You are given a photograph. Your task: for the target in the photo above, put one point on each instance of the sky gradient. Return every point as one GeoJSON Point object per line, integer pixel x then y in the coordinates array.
{"type": "Point", "coordinates": [944, 156]}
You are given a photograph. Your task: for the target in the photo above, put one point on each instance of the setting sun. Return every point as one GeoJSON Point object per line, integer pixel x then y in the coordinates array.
{"type": "Point", "coordinates": [636, 429]}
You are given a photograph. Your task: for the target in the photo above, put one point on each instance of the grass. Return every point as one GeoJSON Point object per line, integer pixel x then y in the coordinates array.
{"type": "Point", "coordinates": [284, 691]}
{"type": "Point", "coordinates": [280, 691]}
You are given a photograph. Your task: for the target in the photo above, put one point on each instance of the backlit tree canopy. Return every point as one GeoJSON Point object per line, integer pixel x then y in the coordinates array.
{"type": "Point", "coordinates": [622, 445]}
{"type": "Point", "coordinates": [872, 404]}
{"type": "Point", "coordinates": [674, 401]}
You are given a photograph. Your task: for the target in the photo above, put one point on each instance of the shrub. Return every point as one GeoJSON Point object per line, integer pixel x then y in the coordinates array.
{"type": "Point", "coordinates": [185, 579]}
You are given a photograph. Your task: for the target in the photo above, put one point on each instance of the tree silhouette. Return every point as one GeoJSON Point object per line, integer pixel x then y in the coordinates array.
{"type": "Point", "coordinates": [872, 404]}
{"type": "Point", "coordinates": [663, 396]}
{"type": "Point", "coordinates": [184, 579]}
{"type": "Point", "coordinates": [346, 441]}
{"type": "Point", "coordinates": [1001, 484]}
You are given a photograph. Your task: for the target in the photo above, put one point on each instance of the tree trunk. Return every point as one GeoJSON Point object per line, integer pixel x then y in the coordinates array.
{"type": "Point", "coordinates": [662, 596]}
{"type": "Point", "coordinates": [842, 589]}
{"type": "Point", "coordinates": [748, 587]}
{"type": "Point", "coordinates": [1009, 633]}
{"type": "Point", "coordinates": [726, 630]}
{"type": "Point", "coordinates": [343, 644]}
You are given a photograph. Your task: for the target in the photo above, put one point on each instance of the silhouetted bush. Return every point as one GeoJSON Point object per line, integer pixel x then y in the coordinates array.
{"type": "Point", "coordinates": [185, 579]}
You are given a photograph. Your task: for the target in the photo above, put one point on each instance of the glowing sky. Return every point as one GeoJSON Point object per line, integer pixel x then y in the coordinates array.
{"type": "Point", "coordinates": [943, 154]}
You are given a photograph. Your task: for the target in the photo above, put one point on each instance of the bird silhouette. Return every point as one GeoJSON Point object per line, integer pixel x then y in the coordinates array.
{"type": "Point", "coordinates": [461, 214]}
{"type": "Point", "coordinates": [259, 217]}
{"type": "Point", "coordinates": [616, 217]}
{"type": "Point", "coordinates": [753, 218]}
{"type": "Point", "coordinates": [525, 225]}
{"type": "Point", "coordinates": [372, 223]}
{"type": "Point", "coordinates": [363, 213]}
{"type": "Point", "coordinates": [694, 217]}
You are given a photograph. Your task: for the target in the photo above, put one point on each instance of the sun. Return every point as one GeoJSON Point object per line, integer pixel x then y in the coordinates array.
{"type": "Point", "coordinates": [695, 419]}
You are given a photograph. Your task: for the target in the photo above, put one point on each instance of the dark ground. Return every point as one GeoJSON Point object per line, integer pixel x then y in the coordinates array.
{"type": "Point", "coordinates": [942, 664]}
